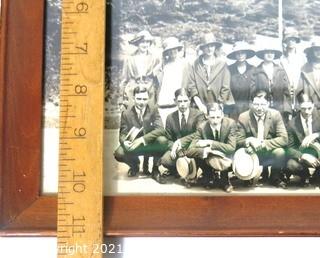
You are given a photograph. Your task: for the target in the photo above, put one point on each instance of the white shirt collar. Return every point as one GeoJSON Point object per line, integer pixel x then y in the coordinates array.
{"type": "Point", "coordinates": [257, 117]}
{"type": "Point", "coordinates": [218, 127]}
{"type": "Point", "coordinates": [142, 111]}
{"type": "Point", "coordinates": [304, 120]}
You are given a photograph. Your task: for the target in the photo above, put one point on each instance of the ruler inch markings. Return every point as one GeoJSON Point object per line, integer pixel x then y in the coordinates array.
{"type": "Point", "coordinates": [80, 195]}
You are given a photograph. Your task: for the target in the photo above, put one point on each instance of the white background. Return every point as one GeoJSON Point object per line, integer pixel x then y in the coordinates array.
{"type": "Point", "coordinates": [262, 247]}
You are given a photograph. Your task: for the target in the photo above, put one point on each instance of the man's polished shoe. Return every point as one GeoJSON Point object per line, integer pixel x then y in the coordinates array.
{"type": "Point", "coordinates": [228, 188]}
{"type": "Point", "coordinates": [280, 184]}
{"type": "Point", "coordinates": [248, 183]}
{"type": "Point", "coordinates": [146, 172]}
{"type": "Point", "coordinates": [186, 183]}
{"type": "Point", "coordinates": [304, 182]}
{"type": "Point", "coordinates": [132, 172]}
{"type": "Point", "coordinates": [156, 175]}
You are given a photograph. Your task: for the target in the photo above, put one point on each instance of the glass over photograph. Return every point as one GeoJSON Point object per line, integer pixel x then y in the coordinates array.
{"type": "Point", "coordinates": [206, 97]}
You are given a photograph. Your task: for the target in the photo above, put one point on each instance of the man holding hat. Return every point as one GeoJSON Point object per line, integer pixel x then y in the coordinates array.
{"type": "Point", "coordinates": [140, 69]}
{"type": "Point", "coordinates": [145, 118]}
{"type": "Point", "coordinates": [261, 130]}
{"type": "Point", "coordinates": [241, 77]}
{"type": "Point", "coordinates": [303, 132]}
{"type": "Point", "coordinates": [291, 61]}
{"type": "Point", "coordinates": [213, 144]}
{"type": "Point", "coordinates": [272, 79]}
{"type": "Point", "coordinates": [209, 77]}
{"type": "Point", "coordinates": [310, 73]}
{"type": "Point", "coordinates": [180, 125]}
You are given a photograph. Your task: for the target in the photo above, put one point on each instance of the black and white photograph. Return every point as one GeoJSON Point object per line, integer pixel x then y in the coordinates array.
{"type": "Point", "coordinates": [207, 97]}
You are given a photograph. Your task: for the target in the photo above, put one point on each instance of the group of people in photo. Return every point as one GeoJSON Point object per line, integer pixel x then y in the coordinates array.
{"type": "Point", "coordinates": [206, 121]}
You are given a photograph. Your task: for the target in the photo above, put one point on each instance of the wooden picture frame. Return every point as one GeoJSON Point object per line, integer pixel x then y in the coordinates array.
{"type": "Point", "coordinates": [24, 211]}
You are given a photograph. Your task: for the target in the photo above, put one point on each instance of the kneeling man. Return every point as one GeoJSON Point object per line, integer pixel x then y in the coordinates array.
{"type": "Point", "coordinates": [261, 130]}
{"type": "Point", "coordinates": [180, 125]}
{"type": "Point", "coordinates": [144, 119]}
{"type": "Point", "coordinates": [213, 144]}
{"type": "Point", "coordinates": [304, 130]}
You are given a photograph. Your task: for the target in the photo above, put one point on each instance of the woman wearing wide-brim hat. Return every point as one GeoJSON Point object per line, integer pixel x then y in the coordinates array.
{"type": "Point", "coordinates": [241, 77]}
{"type": "Point", "coordinates": [292, 60]}
{"type": "Point", "coordinates": [241, 47]}
{"type": "Point", "coordinates": [267, 50]}
{"type": "Point", "coordinates": [171, 79]}
{"type": "Point", "coordinates": [272, 78]}
{"type": "Point", "coordinates": [208, 77]}
{"type": "Point", "coordinates": [140, 68]}
{"type": "Point", "coordinates": [171, 46]}
{"type": "Point", "coordinates": [310, 73]}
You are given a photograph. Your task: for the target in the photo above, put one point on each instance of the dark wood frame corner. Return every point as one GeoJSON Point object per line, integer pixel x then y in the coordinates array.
{"type": "Point", "coordinates": [24, 211]}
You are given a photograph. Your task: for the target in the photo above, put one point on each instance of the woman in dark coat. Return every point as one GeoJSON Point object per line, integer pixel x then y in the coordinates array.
{"type": "Point", "coordinates": [241, 77]}
{"type": "Point", "coordinates": [208, 78]}
{"type": "Point", "coordinates": [272, 78]}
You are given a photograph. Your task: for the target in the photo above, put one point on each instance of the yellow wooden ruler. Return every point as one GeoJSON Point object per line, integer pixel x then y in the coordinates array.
{"type": "Point", "coordinates": [80, 195]}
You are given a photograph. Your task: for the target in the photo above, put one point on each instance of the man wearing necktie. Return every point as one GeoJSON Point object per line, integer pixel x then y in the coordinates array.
{"type": "Point", "coordinates": [145, 119]}
{"type": "Point", "coordinates": [261, 130]}
{"type": "Point", "coordinates": [303, 130]}
{"type": "Point", "coordinates": [212, 146]}
{"type": "Point", "coordinates": [180, 126]}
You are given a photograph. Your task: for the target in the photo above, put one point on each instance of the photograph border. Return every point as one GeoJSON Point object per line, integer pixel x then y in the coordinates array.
{"type": "Point", "coordinates": [25, 212]}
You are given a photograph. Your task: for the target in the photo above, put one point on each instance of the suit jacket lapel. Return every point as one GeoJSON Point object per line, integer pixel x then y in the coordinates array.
{"type": "Point", "coordinates": [199, 69]}
{"type": "Point", "coordinates": [176, 124]}
{"type": "Point", "coordinates": [315, 122]}
{"type": "Point", "coordinates": [146, 116]}
{"type": "Point", "coordinates": [308, 74]}
{"type": "Point", "coordinates": [135, 115]}
{"type": "Point", "coordinates": [253, 124]}
{"type": "Point", "coordinates": [223, 130]}
{"type": "Point", "coordinates": [216, 70]}
{"type": "Point", "coordinates": [299, 128]}
{"type": "Point", "coordinates": [208, 135]}
{"type": "Point", "coordinates": [267, 124]}
{"type": "Point", "coordinates": [191, 120]}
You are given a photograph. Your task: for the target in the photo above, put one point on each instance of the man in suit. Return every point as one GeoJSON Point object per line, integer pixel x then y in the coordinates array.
{"type": "Point", "coordinates": [145, 119]}
{"type": "Point", "coordinates": [262, 130]}
{"type": "Point", "coordinates": [179, 128]}
{"type": "Point", "coordinates": [303, 130]}
{"type": "Point", "coordinates": [213, 144]}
